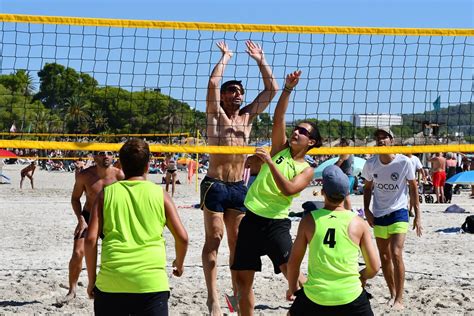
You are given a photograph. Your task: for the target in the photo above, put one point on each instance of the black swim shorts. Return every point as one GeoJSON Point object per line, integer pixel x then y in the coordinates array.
{"type": "Point", "coordinates": [218, 196]}
{"type": "Point", "coordinates": [259, 236]}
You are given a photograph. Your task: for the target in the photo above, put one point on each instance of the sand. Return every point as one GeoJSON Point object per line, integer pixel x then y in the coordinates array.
{"type": "Point", "coordinates": [36, 243]}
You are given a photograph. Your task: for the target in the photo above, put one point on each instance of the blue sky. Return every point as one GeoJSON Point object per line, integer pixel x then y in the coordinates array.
{"type": "Point", "coordinates": [334, 81]}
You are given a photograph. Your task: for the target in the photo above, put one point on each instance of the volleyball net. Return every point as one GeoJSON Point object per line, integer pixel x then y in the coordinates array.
{"type": "Point", "coordinates": [88, 84]}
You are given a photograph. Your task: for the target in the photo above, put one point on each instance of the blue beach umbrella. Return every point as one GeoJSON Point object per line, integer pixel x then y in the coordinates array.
{"type": "Point", "coordinates": [357, 166]}
{"type": "Point", "coordinates": [466, 177]}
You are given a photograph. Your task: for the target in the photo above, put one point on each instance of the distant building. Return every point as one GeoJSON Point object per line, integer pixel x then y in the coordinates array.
{"type": "Point", "coordinates": [376, 120]}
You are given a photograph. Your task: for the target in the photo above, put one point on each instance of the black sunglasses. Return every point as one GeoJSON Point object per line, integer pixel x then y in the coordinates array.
{"type": "Point", "coordinates": [234, 89]}
{"type": "Point", "coordinates": [302, 131]}
{"type": "Point", "coordinates": [104, 153]}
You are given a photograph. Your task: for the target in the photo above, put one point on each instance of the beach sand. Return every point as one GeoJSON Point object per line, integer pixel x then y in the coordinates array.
{"type": "Point", "coordinates": [37, 236]}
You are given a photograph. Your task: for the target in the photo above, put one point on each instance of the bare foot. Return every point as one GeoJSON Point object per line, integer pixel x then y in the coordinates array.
{"type": "Point", "coordinates": [214, 308]}
{"type": "Point", "coordinates": [398, 306]}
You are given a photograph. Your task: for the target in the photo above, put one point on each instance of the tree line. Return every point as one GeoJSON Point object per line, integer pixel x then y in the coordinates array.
{"type": "Point", "coordinates": [71, 102]}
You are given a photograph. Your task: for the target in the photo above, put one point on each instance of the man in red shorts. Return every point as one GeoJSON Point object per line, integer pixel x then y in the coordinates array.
{"type": "Point", "coordinates": [438, 165]}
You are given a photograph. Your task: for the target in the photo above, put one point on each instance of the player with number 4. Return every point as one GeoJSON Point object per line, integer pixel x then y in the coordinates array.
{"type": "Point", "coordinates": [334, 236]}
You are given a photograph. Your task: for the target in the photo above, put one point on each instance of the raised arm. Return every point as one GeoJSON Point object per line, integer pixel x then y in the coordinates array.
{"type": "Point", "coordinates": [213, 88]}
{"type": "Point", "coordinates": [173, 222]}
{"type": "Point", "coordinates": [270, 84]}
{"type": "Point", "coordinates": [279, 139]}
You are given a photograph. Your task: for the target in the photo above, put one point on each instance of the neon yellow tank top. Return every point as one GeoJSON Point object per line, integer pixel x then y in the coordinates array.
{"type": "Point", "coordinates": [133, 249]}
{"type": "Point", "coordinates": [333, 269]}
{"type": "Point", "coordinates": [264, 198]}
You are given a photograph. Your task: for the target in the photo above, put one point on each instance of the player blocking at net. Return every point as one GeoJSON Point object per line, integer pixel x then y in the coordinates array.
{"type": "Point", "coordinates": [223, 190]}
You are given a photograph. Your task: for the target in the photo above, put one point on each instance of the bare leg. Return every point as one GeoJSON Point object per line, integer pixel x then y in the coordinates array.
{"type": "Point", "coordinates": [214, 228]}
{"type": "Point", "coordinates": [246, 297]}
{"type": "Point", "coordinates": [173, 183]}
{"type": "Point", "coordinates": [31, 180]}
{"type": "Point", "coordinates": [75, 267]}
{"type": "Point", "coordinates": [441, 194]}
{"type": "Point", "coordinates": [301, 278]}
{"type": "Point", "coordinates": [232, 219]}
{"type": "Point", "coordinates": [397, 242]}
{"type": "Point", "coordinates": [438, 197]}
{"type": "Point", "coordinates": [387, 266]}
{"type": "Point", "coordinates": [21, 181]}
{"type": "Point", "coordinates": [167, 180]}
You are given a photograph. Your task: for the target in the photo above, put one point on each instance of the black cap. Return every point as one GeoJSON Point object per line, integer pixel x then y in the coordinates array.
{"type": "Point", "coordinates": [229, 83]}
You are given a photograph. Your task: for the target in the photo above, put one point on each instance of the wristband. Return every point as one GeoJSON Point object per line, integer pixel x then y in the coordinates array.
{"type": "Point", "coordinates": [287, 89]}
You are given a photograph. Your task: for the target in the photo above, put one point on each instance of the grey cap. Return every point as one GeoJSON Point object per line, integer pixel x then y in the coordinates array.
{"type": "Point", "coordinates": [335, 182]}
{"type": "Point", "coordinates": [386, 130]}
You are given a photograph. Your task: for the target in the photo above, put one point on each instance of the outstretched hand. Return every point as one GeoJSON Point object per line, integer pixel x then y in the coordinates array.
{"type": "Point", "coordinates": [224, 49]}
{"type": "Point", "coordinates": [254, 50]}
{"type": "Point", "coordinates": [261, 153]}
{"type": "Point", "coordinates": [292, 79]}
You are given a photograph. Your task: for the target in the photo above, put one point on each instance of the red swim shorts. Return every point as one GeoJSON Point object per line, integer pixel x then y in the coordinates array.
{"type": "Point", "coordinates": [439, 178]}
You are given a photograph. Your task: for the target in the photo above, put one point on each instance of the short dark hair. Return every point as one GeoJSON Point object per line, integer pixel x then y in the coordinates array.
{"type": "Point", "coordinates": [314, 134]}
{"type": "Point", "coordinates": [334, 199]}
{"type": "Point", "coordinates": [134, 157]}
{"type": "Point", "coordinates": [344, 141]}
{"type": "Point", "coordinates": [230, 83]}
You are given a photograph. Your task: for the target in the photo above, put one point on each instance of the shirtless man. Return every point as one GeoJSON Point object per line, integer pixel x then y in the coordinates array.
{"type": "Point", "coordinates": [28, 172]}
{"type": "Point", "coordinates": [222, 190]}
{"type": "Point", "coordinates": [438, 166]}
{"type": "Point", "coordinates": [91, 181]}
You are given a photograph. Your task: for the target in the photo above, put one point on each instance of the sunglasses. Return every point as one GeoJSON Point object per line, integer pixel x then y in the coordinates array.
{"type": "Point", "coordinates": [104, 153]}
{"type": "Point", "coordinates": [302, 131]}
{"type": "Point", "coordinates": [234, 89]}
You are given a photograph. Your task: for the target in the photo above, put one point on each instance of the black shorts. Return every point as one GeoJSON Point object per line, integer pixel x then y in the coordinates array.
{"type": "Point", "coordinates": [86, 215]}
{"type": "Point", "coordinates": [130, 303]}
{"type": "Point", "coordinates": [259, 236]}
{"type": "Point", "coordinates": [304, 306]}
{"type": "Point", "coordinates": [218, 196]}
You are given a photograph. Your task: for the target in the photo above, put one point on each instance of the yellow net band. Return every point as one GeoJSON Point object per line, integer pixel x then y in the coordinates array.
{"type": "Point", "coordinates": [235, 149]}
{"type": "Point", "coordinates": [301, 29]}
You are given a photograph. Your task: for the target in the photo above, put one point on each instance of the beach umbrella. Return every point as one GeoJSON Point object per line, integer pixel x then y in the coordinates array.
{"type": "Point", "coordinates": [7, 154]}
{"type": "Point", "coordinates": [466, 177]}
{"type": "Point", "coordinates": [357, 166]}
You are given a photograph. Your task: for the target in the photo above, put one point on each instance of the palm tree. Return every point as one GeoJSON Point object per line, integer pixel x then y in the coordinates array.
{"type": "Point", "coordinates": [99, 120]}
{"type": "Point", "coordinates": [76, 114]}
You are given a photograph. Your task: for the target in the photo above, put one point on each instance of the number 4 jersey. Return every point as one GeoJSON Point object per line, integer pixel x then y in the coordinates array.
{"type": "Point", "coordinates": [333, 262]}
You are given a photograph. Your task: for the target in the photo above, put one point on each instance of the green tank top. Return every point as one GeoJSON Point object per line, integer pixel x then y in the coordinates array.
{"type": "Point", "coordinates": [264, 198]}
{"type": "Point", "coordinates": [133, 249]}
{"type": "Point", "coordinates": [333, 268]}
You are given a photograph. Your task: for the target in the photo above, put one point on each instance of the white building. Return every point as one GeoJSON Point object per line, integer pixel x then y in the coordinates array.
{"type": "Point", "coordinates": [376, 120]}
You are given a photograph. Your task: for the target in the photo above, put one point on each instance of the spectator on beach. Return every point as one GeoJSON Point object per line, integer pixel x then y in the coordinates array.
{"type": "Point", "coordinates": [346, 163]}
{"type": "Point", "coordinates": [419, 170]}
{"type": "Point", "coordinates": [438, 168]}
{"type": "Point", "coordinates": [222, 190]}
{"type": "Point", "coordinates": [90, 181]}
{"type": "Point", "coordinates": [451, 164]}
{"type": "Point", "coordinates": [171, 173]}
{"type": "Point", "coordinates": [386, 179]}
{"type": "Point", "coordinates": [265, 228]}
{"type": "Point", "coordinates": [28, 172]}
{"type": "Point", "coordinates": [131, 215]}
{"type": "Point", "coordinates": [335, 237]}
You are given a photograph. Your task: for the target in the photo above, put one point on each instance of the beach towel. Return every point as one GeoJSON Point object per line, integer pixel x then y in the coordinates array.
{"type": "Point", "coordinates": [454, 209]}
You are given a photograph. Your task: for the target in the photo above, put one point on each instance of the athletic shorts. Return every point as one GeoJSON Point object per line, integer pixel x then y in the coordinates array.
{"type": "Point", "coordinates": [218, 196]}
{"type": "Point", "coordinates": [304, 306]}
{"type": "Point", "coordinates": [390, 224]}
{"type": "Point", "coordinates": [155, 303]}
{"type": "Point", "coordinates": [259, 236]}
{"type": "Point", "coordinates": [439, 178]}
{"type": "Point", "coordinates": [86, 215]}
